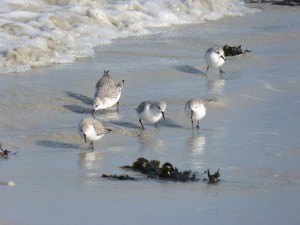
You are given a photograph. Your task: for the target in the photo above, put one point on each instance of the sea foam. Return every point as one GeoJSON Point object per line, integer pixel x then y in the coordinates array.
{"type": "Point", "coordinates": [36, 33]}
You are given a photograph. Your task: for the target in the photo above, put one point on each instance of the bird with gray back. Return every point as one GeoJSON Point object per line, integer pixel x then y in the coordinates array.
{"type": "Point", "coordinates": [92, 130]}
{"type": "Point", "coordinates": [151, 112]}
{"type": "Point", "coordinates": [107, 93]}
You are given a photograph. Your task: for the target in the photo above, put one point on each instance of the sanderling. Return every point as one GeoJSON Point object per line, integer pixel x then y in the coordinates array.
{"type": "Point", "coordinates": [104, 80]}
{"type": "Point", "coordinates": [151, 112]}
{"type": "Point", "coordinates": [92, 130]}
{"type": "Point", "coordinates": [107, 93]}
{"type": "Point", "coordinates": [215, 58]}
{"type": "Point", "coordinates": [195, 110]}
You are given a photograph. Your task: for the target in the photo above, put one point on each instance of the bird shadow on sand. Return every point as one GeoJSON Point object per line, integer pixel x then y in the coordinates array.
{"type": "Point", "coordinates": [104, 112]}
{"type": "Point", "coordinates": [168, 123]}
{"type": "Point", "coordinates": [189, 69]}
{"type": "Point", "coordinates": [84, 99]}
{"type": "Point", "coordinates": [162, 123]}
{"type": "Point", "coordinates": [125, 124]}
{"type": "Point", "coordinates": [56, 144]}
{"type": "Point", "coordinates": [78, 109]}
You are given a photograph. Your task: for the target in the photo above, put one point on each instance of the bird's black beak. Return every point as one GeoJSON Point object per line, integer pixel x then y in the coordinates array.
{"type": "Point", "coordinates": [93, 111]}
{"type": "Point", "coordinates": [223, 58]}
{"type": "Point", "coordinates": [192, 114]}
{"type": "Point", "coordinates": [84, 138]}
{"type": "Point", "coordinates": [163, 114]}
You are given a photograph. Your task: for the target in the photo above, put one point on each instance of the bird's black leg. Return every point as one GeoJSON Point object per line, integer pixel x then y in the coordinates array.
{"type": "Point", "coordinates": [221, 71]}
{"type": "Point", "coordinates": [198, 127]}
{"type": "Point", "coordinates": [156, 126]}
{"type": "Point", "coordinates": [206, 70]}
{"type": "Point", "coordinates": [142, 124]}
{"type": "Point", "coordinates": [91, 146]}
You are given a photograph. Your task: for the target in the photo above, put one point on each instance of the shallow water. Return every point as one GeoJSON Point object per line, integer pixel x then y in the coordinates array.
{"type": "Point", "coordinates": [251, 131]}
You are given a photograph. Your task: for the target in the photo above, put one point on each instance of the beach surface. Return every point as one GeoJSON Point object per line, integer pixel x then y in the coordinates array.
{"type": "Point", "coordinates": [251, 130]}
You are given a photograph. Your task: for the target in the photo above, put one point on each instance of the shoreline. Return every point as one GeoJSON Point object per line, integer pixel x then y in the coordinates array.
{"type": "Point", "coordinates": [249, 132]}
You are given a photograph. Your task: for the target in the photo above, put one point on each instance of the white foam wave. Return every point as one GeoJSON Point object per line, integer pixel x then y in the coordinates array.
{"type": "Point", "coordinates": [36, 33]}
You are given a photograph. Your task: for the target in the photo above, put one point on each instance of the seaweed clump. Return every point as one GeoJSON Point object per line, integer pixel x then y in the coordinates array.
{"type": "Point", "coordinates": [167, 172]}
{"type": "Point", "coordinates": [4, 153]}
{"type": "Point", "coordinates": [213, 178]}
{"type": "Point", "coordinates": [276, 2]}
{"type": "Point", "coordinates": [287, 2]}
{"type": "Point", "coordinates": [118, 177]}
{"type": "Point", "coordinates": [234, 50]}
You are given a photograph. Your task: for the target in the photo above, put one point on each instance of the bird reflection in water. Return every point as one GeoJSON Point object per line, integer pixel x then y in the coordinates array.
{"type": "Point", "coordinates": [90, 160]}
{"type": "Point", "coordinates": [151, 142]}
{"type": "Point", "coordinates": [196, 145]}
{"type": "Point", "coordinates": [107, 115]}
{"type": "Point", "coordinates": [216, 86]}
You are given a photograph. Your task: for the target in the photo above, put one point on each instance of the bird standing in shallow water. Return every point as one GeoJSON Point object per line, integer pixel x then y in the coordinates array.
{"type": "Point", "coordinates": [92, 130]}
{"type": "Point", "coordinates": [151, 112]}
{"type": "Point", "coordinates": [215, 57]}
{"type": "Point", "coordinates": [107, 93]}
{"type": "Point", "coordinates": [195, 110]}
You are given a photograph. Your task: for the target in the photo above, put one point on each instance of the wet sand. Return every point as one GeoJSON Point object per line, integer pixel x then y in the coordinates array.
{"type": "Point", "coordinates": [251, 131]}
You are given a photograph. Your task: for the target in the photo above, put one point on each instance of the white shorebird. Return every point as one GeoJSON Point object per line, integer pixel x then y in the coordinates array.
{"type": "Point", "coordinates": [92, 130]}
{"type": "Point", "coordinates": [151, 112]}
{"type": "Point", "coordinates": [215, 57]}
{"type": "Point", "coordinates": [107, 93]}
{"type": "Point", "coordinates": [195, 110]}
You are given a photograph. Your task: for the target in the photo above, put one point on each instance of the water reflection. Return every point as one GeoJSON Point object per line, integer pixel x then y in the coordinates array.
{"type": "Point", "coordinates": [196, 145]}
{"type": "Point", "coordinates": [151, 142]}
{"type": "Point", "coordinates": [107, 114]}
{"type": "Point", "coordinates": [215, 86]}
{"type": "Point", "coordinates": [90, 160]}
